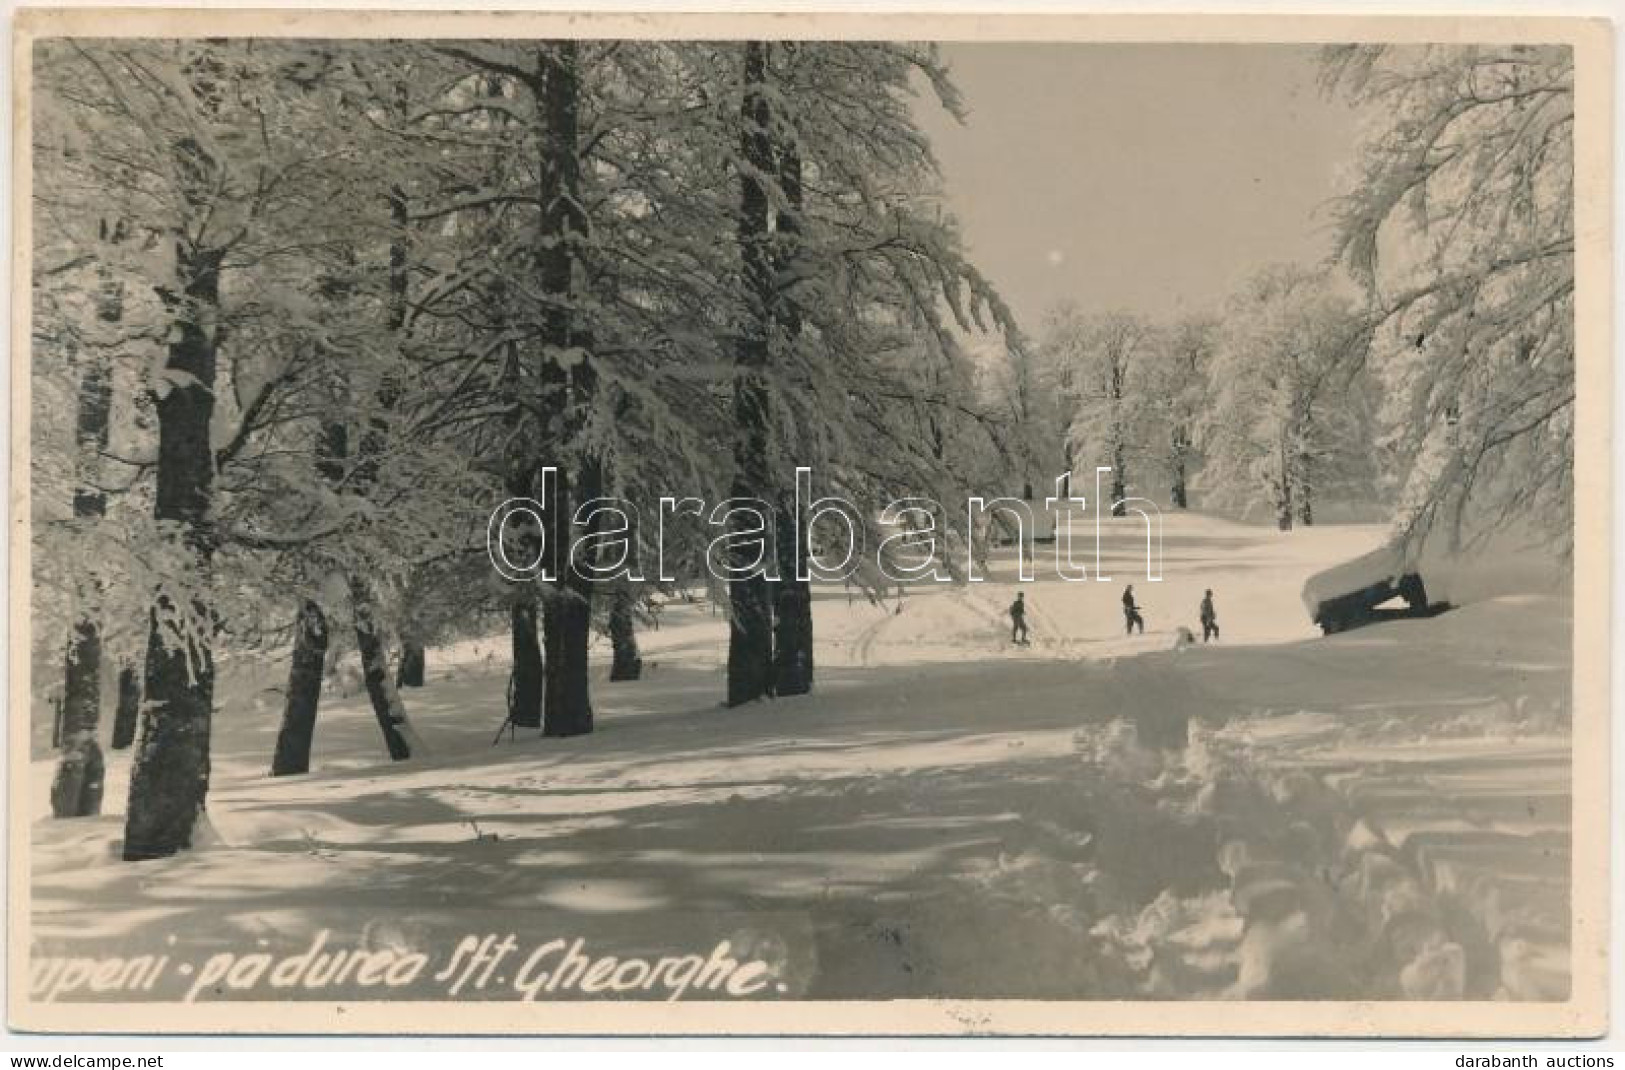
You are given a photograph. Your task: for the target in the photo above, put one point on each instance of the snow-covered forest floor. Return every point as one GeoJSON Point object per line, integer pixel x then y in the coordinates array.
{"type": "Point", "coordinates": [1378, 814]}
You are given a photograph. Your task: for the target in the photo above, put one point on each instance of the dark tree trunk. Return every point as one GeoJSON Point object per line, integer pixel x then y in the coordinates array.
{"type": "Point", "coordinates": [525, 677]}
{"type": "Point", "coordinates": [627, 663]}
{"type": "Point", "coordinates": [1306, 510]}
{"type": "Point", "coordinates": [792, 621]}
{"type": "Point", "coordinates": [568, 699]}
{"type": "Point", "coordinates": [750, 636]}
{"type": "Point", "coordinates": [526, 673]}
{"type": "Point", "coordinates": [555, 520]}
{"type": "Point", "coordinates": [792, 597]}
{"type": "Point", "coordinates": [370, 632]}
{"type": "Point", "coordinates": [1283, 494]}
{"type": "Point", "coordinates": [310, 636]}
{"type": "Point", "coordinates": [76, 790]}
{"type": "Point", "coordinates": [526, 681]}
{"type": "Point", "coordinates": [371, 644]}
{"type": "Point", "coordinates": [750, 640]}
{"type": "Point", "coordinates": [375, 431]}
{"type": "Point", "coordinates": [1182, 445]}
{"type": "Point", "coordinates": [567, 612]}
{"type": "Point", "coordinates": [129, 708]}
{"type": "Point", "coordinates": [1119, 476]}
{"type": "Point", "coordinates": [169, 779]}
{"type": "Point", "coordinates": [413, 664]}
{"type": "Point", "coordinates": [567, 620]}
{"type": "Point", "coordinates": [304, 692]}
{"type": "Point", "coordinates": [1119, 483]}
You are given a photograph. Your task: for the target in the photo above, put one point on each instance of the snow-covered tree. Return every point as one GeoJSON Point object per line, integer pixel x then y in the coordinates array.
{"type": "Point", "coordinates": [371, 288]}
{"type": "Point", "coordinates": [1099, 366]}
{"type": "Point", "coordinates": [76, 790]}
{"type": "Point", "coordinates": [1460, 223]}
{"type": "Point", "coordinates": [1286, 418]}
{"type": "Point", "coordinates": [191, 146]}
{"type": "Point", "coordinates": [1019, 391]}
{"type": "Point", "coordinates": [1176, 383]}
{"type": "Point", "coordinates": [256, 293]}
{"type": "Point", "coordinates": [852, 291]}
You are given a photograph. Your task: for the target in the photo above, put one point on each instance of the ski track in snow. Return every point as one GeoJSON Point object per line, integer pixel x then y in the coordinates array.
{"type": "Point", "coordinates": [863, 645]}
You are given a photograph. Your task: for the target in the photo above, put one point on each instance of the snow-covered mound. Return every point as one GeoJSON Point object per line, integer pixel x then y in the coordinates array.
{"type": "Point", "coordinates": [1505, 563]}
{"type": "Point", "coordinates": [1381, 567]}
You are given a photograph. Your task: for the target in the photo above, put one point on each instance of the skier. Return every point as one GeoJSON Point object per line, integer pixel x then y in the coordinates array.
{"type": "Point", "coordinates": [1210, 620]}
{"type": "Point", "coordinates": [1131, 612]}
{"type": "Point", "coordinates": [1018, 619]}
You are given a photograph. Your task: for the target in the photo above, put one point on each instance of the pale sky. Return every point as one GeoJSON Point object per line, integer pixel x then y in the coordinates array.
{"type": "Point", "coordinates": [1153, 178]}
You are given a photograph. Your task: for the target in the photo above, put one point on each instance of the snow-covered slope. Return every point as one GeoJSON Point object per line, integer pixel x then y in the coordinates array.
{"type": "Point", "coordinates": [947, 815]}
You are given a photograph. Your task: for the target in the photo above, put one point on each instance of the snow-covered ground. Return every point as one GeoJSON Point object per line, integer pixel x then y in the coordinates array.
{"type": "Point", "coordinates": [1379, 814]}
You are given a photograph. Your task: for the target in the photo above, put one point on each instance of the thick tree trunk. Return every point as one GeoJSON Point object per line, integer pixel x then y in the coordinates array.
{"type": "Point", "coordinates": [627, 664]}
{"type": "Point", "coordinates": [750, 637]}
{"type": "Point", "coordinates": [792, 597]}
{"type": "Point", "coordinates": [413, 663]}
{"type": "Point", "coordinates": [308, 664]}
{"type": "Point", "coordinates": [792, 620]}
{"type": "Point", "coordinates": [129, 708]}
{"type": "Point", "coordinates": [526, 679]}
{"type": "Point", "coordinates": [76, 790]}
{"type": "Point", "coordinates": [555, 519]}
{"type": "Point", "coordinates": [750, 640]}
{"type": "Point", "coordinates": [568, 697]}
{"type": "Point", "coordinates": [567, 612]}
{"type": "Point", "coordinates": [304, 695]}
{"type": "Point", "coordinates": [567, 619]}
{"type": "Point", "coordinates": [169, 779]}
{"type": "Point", "coordinates": [170, 776]}
{"type": "Point", "coordinates": [371, 644]}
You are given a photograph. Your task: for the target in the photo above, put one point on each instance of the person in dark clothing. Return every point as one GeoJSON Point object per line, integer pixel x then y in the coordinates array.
{"type": "Point", "coordinates": [1210, 620]}
{"type": "Point", "coordinates": [1018, 619]}
{"type": "Point", "coordinates": [1131, 612]}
